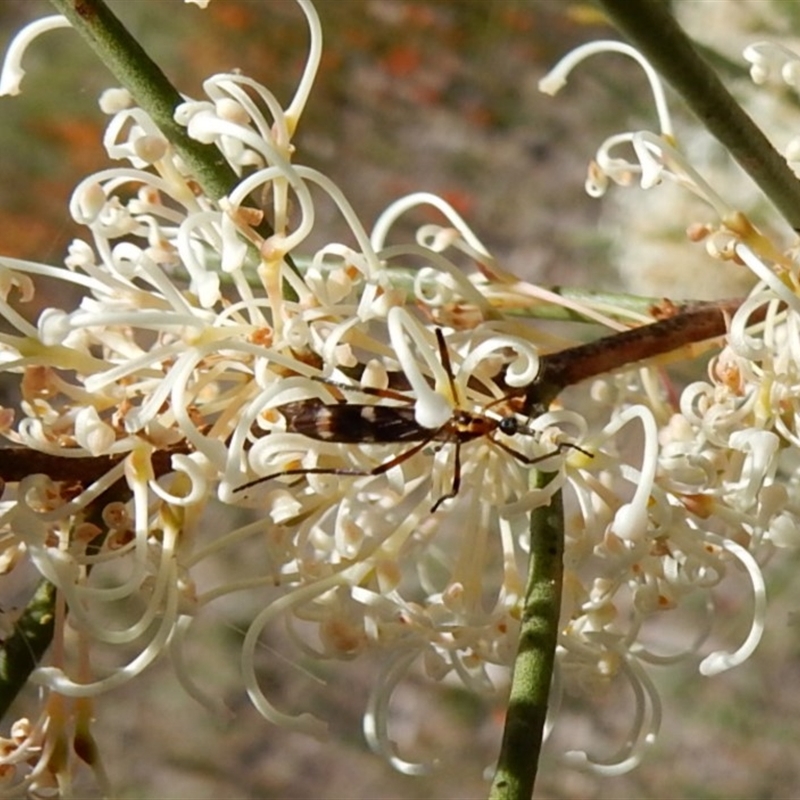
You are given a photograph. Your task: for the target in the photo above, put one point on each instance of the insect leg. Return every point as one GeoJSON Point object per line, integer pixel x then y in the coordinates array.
{"type": "Point", "coordinates": [379, 470]}
{"type": "Point", "coordinates": [388, 394]}
{"type": "Point", "coordinates": [456, 477]}
{"type": "Point", "coordinates": [528, 461]}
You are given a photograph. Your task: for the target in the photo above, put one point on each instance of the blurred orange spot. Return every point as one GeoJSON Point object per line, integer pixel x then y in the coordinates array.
{"type": "Point", "coordinates": [80, 136]}
{"type": "Point", "coordinates": [331, 60]}
{"type": "Point", "coordinates": [357, 39]}
{"type": "Point", "coordinates": [463, 202]}
{"type": "Point", "coordinates": [419, 15]}
{"type": "Point", "coordinates": [518, 19]}
{"type": "Point", "coordinates": [427, 95]}
{"type": "Point", "coordinates": [25, 235]}
{"type": "Point", "coordinates": [402, 60]}
{"type": "Point", "coordinates": [480, 116]}
{"type": "Point", "coordinates": [232, 17]}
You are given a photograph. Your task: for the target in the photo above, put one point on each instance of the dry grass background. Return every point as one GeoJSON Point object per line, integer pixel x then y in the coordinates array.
{"type": "Point", "coordinates": [437, 96]}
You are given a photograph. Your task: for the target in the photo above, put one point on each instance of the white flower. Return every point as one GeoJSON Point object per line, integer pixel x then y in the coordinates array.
{"type": "Point", "coordinates": [183, 370]}
{"type": "Point", "coordinates": [382, 453]}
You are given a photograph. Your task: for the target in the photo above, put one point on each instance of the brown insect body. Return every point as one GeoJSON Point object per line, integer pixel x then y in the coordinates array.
{"type": "Point", "coordinates": [353, 423]}
{"type": "Point", "coordinates": [373, 424]}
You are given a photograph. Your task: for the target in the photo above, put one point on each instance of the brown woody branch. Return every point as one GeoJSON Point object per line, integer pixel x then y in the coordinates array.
{"type": "Point", "coordinates": [689, 324]}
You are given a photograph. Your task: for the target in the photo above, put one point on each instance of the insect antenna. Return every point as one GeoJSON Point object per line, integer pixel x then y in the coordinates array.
{"type": "Point", "coordinates": [444, 355]}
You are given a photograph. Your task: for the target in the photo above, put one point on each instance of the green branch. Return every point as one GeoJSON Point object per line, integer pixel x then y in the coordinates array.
{"type": "Point", "coordinates": [533, 667]}
{"type": "Point", "coordinates": [33, 632]}
{"type": "Point", "coordinates": [153, 92]}
{"type": "Point", "coordinates": [22, 651]}
{"type": "Point", "coordinates": [649, 25]}
{"type": "Point", "coordinates": [150, 88]}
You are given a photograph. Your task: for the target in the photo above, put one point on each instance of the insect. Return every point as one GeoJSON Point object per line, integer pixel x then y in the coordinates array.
{"type": "Point", "coordinates": [350, 423]}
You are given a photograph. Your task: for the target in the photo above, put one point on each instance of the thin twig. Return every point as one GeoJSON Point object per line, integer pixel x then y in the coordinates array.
{"type": "Point", "coordinates": [653, 30]}
{"type": "Point", "coordinates": [533, 666]}
{"type": "Point", "coordinates": [695, 323]}
{"type": "Point", "coordinates": [17, 463]}
{"type": "Point", "coordinates": [153, 92]}
{"type": "Point", "coordinates": [22, 651]}
{"type": "Point", "coordinates": [150, 88]}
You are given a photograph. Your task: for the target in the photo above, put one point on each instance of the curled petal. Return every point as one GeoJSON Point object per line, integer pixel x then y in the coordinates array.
{"type": "Point", "coordinates": [556, 79]}
{"type": "Point", "coordinates": [432, 406]}
{"type": "Point", "coordinates": [391, 214]}
{"type": "Point", "coordinates": [764, 273]}
{"type": "Point", "coordinates": [191, 472]}
{"type": "Point", "coordinates": [644, 729]}
{"type": "Point", "coordinates": [12, 73]}
{"type": "Point", "coordinates": [631, 519]}
{"type": "Point", "coordinates": [183, 672]}
{"type": "Point", "coordinates": [376, 717]}
{"type": "Point", "coordinates": [56, 679]}
{"type": "Point", "coordinates": [93, 433]}
{"type": "Point", "coordinates": [520, 372]}
{"type": "Point", "coordinates": [312, 64]}
{"type": "Point", "coordinates": [721, 661]}
{"type": "Point", "coordinates": [304, 723]}
{"type": "Point", "coordinates": [742, 340]}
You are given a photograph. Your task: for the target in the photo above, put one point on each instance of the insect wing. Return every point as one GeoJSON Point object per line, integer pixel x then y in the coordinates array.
{"type": "Point", "coordinates": [353, 424]}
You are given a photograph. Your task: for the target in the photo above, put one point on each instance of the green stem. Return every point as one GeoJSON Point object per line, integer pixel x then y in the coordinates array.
{"type": "Point", "coordinates": [33, 632]}
{"type": "Point", "coordinates": [615, 305]}
{"type": "Point", "coordinates": [533, 668]}
{"type": "Point", "coordinates": [150, 88]}
{"type": "Point", "coordinates": [22, 651]}
{"type": "Point", "coordinates": [653, 30]}
{"type": "Point", "coordinates": [153, 92]}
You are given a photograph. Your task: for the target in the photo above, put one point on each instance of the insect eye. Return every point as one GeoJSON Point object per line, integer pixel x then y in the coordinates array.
{"type": "Point", "coordinates": [508, 425]}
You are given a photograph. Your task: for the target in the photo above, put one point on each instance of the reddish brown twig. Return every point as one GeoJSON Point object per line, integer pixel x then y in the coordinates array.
{"type": "Point", "coordinates": [17, 463]}
{"type": "Point", "coordinates": [690, 323]}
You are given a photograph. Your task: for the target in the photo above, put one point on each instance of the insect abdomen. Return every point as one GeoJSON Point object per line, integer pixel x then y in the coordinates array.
{"type": "Point", "coordinates": [353, 424]}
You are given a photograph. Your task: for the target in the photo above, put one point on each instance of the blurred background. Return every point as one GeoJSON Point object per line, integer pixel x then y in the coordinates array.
{"type": "Point", "coordinates": [436, 96]}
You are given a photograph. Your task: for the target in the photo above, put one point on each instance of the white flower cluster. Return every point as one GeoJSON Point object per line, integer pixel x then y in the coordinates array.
{"type": "Point", "coordinates": [722, 483]}
{"type": "Point", "coordinates": [364, 445]}
{"type": "Point", "coordinates": [182, 375]}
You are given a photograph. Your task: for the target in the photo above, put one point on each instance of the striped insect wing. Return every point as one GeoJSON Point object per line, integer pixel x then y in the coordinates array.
{"type": "Point", "coordinates": [352, 423]}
